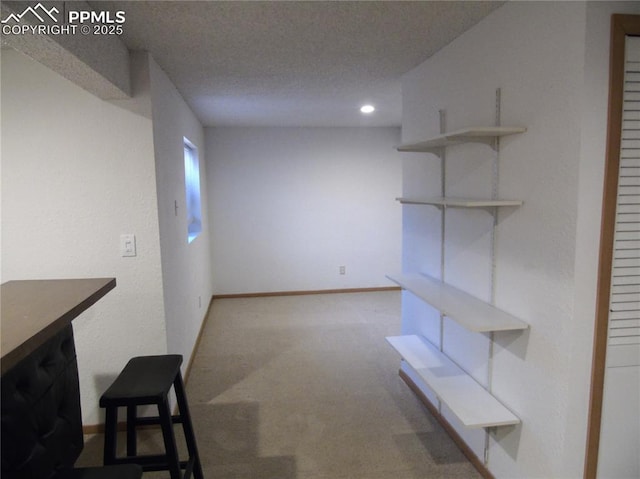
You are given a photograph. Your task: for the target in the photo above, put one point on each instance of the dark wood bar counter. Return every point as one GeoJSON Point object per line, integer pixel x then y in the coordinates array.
{"type": "Point", "coordinates": [33, 311]}
{"type": "Point", "coordinates": [39, 389]}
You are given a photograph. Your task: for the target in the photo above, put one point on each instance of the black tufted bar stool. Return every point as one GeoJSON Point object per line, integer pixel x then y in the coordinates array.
{"type": "Point", "coordinates": [147, 380]}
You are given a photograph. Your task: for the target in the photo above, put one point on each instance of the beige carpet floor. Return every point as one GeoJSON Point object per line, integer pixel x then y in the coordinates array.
{"type": "Point", "coordinates": [306, 387]}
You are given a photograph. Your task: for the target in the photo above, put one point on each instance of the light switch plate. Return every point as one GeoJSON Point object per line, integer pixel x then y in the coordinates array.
{"type": "Point", "coordinates": [128, 245]}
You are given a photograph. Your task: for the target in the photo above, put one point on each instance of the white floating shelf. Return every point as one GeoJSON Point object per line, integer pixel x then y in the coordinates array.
{"type": "Point", "coordinates": [459, 202]}
{"type": "Point", "coordinates": [466, 310]}
{"type": "Point", "coordinates": [472, 404]}
{"type": "Point", "coordinates": [467, 135]}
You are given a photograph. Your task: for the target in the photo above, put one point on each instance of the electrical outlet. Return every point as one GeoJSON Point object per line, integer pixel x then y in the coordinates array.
{"type": "Point", "coordinates": [343, 270]}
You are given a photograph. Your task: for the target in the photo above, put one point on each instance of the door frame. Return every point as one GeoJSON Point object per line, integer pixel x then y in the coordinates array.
{"type": "Point", "coordinates": [621, 26]}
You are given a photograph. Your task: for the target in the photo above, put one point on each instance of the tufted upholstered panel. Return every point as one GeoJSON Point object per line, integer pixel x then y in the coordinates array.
{"type": "Point", "coordinates": [41, 418]}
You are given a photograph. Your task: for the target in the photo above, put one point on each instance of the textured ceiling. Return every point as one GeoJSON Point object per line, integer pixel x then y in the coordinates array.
{"type": "Point", "coordinates": [293, 63]}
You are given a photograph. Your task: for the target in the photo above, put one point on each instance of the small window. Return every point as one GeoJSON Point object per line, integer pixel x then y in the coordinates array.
{"type": "Point", "coordinates": [192, 188]}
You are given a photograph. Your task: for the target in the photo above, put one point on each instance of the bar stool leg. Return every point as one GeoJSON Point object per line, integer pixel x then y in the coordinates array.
{"type": "Point", "coordinates": [187, 426]}
{"type": "Point", "coordinates": [110, 431]}
{"type": "Point", "coordinates": [132, 447]}
{"type": "Point", "coordinates": [166, 423]}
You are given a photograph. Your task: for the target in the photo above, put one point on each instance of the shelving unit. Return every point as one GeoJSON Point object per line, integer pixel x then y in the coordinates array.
{"type": "Point", "coordinates": [468, 135]}
{"type": "Point", "coordinates": [470, 399]}
{"type": "Point", "coordinates": [459, 202]}
{"type": "Point", "coordinates": [466, 310]}
{"type": "Point", "coordinates": [473, 405]}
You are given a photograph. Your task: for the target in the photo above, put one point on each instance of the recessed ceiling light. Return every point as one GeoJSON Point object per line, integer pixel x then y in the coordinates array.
{"type": "Point", "coordinates": [366, 109]}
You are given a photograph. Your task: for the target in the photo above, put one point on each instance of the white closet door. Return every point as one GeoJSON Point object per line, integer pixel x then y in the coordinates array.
{"type": "Point", "coordinates": [624, 317]}
{"type": "Point", "coordinates": [620, 433]}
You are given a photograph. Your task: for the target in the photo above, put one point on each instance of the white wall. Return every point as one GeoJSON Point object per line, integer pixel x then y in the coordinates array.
{"type": "Point", "coordinates": [76, 173]}
{"type": "Point", "coordinates": [291, 205]}
{"type": "Point", "coordinates": [186, 267]}
{"type": "Point", "coordinates": [550, 61]}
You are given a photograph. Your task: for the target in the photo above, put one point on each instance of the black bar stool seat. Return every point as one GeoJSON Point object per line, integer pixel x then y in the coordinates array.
{"type": "Point", "coordinates": [147, 380]}
{"type": "Point", "coordinates": [124, 471]}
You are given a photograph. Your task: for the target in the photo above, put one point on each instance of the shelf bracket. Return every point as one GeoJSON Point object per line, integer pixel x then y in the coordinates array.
{"type": "Point", "coordinates": [443, 216]}
{"type": "Point", "coordinates": [486, 446]}
{"type": "Point", "coordinates": [490, 142]}
{"type": "Point", "coordinates": [438, 151]}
